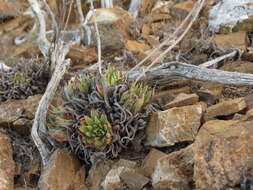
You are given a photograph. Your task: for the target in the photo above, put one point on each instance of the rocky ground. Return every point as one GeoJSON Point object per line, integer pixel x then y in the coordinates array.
{"type": "Point", "coordinates": [201, 138]}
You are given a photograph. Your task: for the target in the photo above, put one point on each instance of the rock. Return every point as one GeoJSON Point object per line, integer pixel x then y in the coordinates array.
{"type": "Point", "coordinates": [133, 179]}
{"type": "Point", "coordinates": [114, 26]}
{"type": "Point", "coordinates": [25, 188]}
{"type": "Point", "coordinates": [85, 54]}
{"type": "Point", "coordinates": [249, 115]}
{"type": "Point", "coordinates": [8, 9]}
{"type": "Point", "coordinates": [249, 101]}
{"type": "Point", "coordinates": [146, 6]}
{"type": "Point", "coordinates": [232, 40]}
{"type": "Point", "coordinates": [181, 10]}
{"type": "Point", "coordinates": [182, 100]}
{"type": "Point", "coordinates": [163, 97]}
{"type": "Point", "coordinates": [112, 180]}
{"type": "Point", "coordinates": [230, 15]}
{"type": "Point", "coordinates": [152, 40]}
{"type": "Point", "coordinates": [238, 66]}
{"type": "Point", "coordinates": [150, 162]}
{"type": "Point", "coordinates": [174, 171]}
{"type": "Point", "coordinates": [97, 174]}
{"type": "Point", "coordinates": [174, 125]}
{"type": "Point", "coordinates": [223, 154]}
{"type": "Point", "coordinates": [135, 46]}
{"type": "Point", "coordinates": [63, 172]}
{"type": "Point", "coordinates": [213, 89]}
{"type": "Point", "coordinates": [225, 108]}
{"type": "Point", "coordinates": [7, 165]}
{"type": "Point", "coordinates": [12, 112]}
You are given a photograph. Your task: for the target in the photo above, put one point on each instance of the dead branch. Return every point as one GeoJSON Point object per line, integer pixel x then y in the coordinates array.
{"type": "Point", "coordinates": [39, 129]}
{"type": "Point", "coordinates": [163, 73]}
{"type": "Point", "coordinates": [194, 13]}
{"type": "Point", "coordinates": [213, 63]}
{"type": "Point", "coordinates": [44, 44]}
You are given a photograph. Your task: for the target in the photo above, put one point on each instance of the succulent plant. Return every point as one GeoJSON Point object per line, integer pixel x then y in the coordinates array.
{"type": "Point", "coordinates": [59, 119]}
{"type": "Point", "coordinates": [102, 124]}
{"type": "Point", "coordinates": [113, 77]}
{"type": "Point", "coordinates": [79, 82]}
{"type": "Point", "coordinates": [27, 78]}
{"type": "Point", "coordinates": [136, 97]}
{"type": "Point", "coordinates": [20, 78]}
{"type": "Point", "coordinates": [96, 130]}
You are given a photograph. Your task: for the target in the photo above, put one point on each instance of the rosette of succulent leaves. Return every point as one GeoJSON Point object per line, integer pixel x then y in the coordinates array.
{"type": "Point", "coordinates": [99, 118]}
{"type": "Point", "coordinates": [25, 79]}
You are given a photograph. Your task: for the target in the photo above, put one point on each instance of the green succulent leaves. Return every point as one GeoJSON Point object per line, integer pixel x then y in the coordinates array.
{"type": "Point", "coordinates": [80, 83]}
{"type": "Point", "coordinates": [96, 130]}
{"type": "Point", "coordinates": [20, 78]}
{"type": "Point", "coordinates": [58, 121]}
{"type": "Point", "coordinates": [113, 77]}
{"type": "Point", "coordinates": [136, 97]}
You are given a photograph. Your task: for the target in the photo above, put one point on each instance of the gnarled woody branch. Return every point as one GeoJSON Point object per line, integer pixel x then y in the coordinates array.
{"type": "Point", "coordinates": [165, 72]}
{"type": "Point", "coordinates": [39, 129]}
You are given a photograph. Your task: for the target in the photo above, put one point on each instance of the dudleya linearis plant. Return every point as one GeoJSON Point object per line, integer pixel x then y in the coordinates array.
{"type": "Point", "coordinates": [96, 123]}
{"type": "Point", "coordinates": [96, 130]}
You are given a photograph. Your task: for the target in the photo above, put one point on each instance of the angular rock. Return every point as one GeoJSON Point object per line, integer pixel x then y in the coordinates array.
{"type": "Point", "coordinates": [112, 180]}
{"type": "Point", "coordinates": [238, 66]}
{"type": "Point", "coordinates": [249, 115]}
{"type": "Point", "coordinates": [7, 165]}
{"type": "Point", "coordinates": [12, 110]}
{"type": "Point", "coordinates": [174, 125]}
{"type": "Point", "coordinates": [63, 172]}
{"type": "Point", "coordinates": [232, 40]}
{"type": "Point", "coordinates": [114, 26]}
{"type": "Point", "coordinates": [150, 162]}
{"type": "Point", "coordinates": [181, 10]}
{"type": "Point", "coordinates": [7, 9]}
{"type": "Point", "coordinates": [225, 108]}
{"type": "Point", "coordinates": [133, 179]}
{"type": "Point", "coordinates": [162, 98]}
{"type": "Point", "coordinates": [135, 46]}
{"type": "Point", "coordinates": [85, 54]}
{"type": "Point", "coordinates": [230, 15]}
{"type": "Point", "coordinates": [223, 154]}
{"type": "Point", "coordinates": [146, 6]}
{"type": "Point", "coordinates": [174, 171]}
{"type": "Point", "coordinates": [182, 100]}
{"type": "Point", "coordinates": [97, 174]}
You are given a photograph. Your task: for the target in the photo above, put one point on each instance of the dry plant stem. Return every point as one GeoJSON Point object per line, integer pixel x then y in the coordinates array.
{"type": "Point", "coordinates": [163, 73]}
{"type": "Point", "coordinates": [39, 130]}
{"type": "Point", "coordinates": [213, 63]}
{"type": "Point", "coordinates": [68, 16]}
{"type": "Point", "coordinates": [195, 16]}
{"type": "Point", "coordinates": [44, 44]}
{"type": "Point", "coordinates": [52, 16]}
{"type": "Point", "coordinates": [167, 41]}
{"type": "Point", "coordinates": [98, 40]}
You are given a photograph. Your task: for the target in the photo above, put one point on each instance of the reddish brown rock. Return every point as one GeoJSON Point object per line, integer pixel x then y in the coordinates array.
{"type": "Point", "coordinates": [182, 100]}
{"type": "Point", "coordinates": [232, 40]}
{"type": "Point", "coordinates": [115, 26]}
{"type": "Point", "coordinates": [181, 10]}
{"type": "Point", "coordinates": [225, 108]}
{"type": "Point", "coordinates": [11, 110]}
{"type": "Point", "coordinates": [223, 154]}
{"type": "Point", "coordinates": [238, 66]}
{"type": "Point", "coordinates": [146, 6]}
{"type": "Point", "coordinates": [112, 180]}
{"type": "Point", "coordinates": [150, 161]}
{"type": "Point", "coordinates": [135, 46]}
{"type": "Point", "coordinates": [7, 165]}
{"type": "Point", "coordinates": [174, 171]}
{"type": "Point", "coordinates": [133, 179]}
{"type": "Point", "coordinates": [97, 174]}
{"type": "Point", "coordinates": [63, 172]}
{"type": "Point", "coordinates": [85, 54]}
{"type": "Point", "coordinates": [174, 125]}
